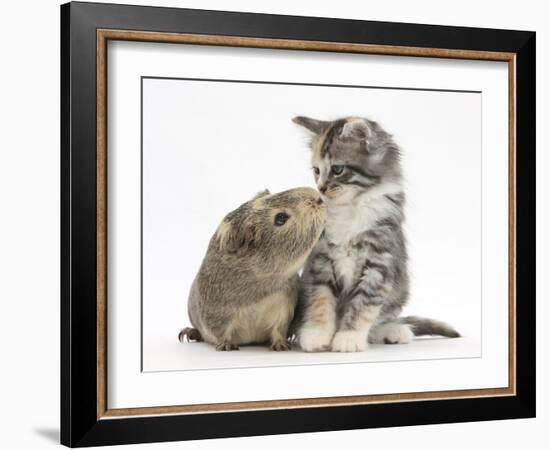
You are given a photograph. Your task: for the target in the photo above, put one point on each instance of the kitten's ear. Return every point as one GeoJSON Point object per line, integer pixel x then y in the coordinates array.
{"type": "Point", "coordinates": [355, 128]}
{"type": "Point", "coordinates": [313, 125]}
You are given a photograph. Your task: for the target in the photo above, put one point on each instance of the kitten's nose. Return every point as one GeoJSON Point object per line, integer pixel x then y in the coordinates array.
{"type": "Point", "coordinates": [323, 189]}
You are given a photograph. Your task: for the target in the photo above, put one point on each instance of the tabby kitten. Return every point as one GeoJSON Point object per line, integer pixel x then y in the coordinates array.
{"type": "Point", "coordinates": [355, 280]}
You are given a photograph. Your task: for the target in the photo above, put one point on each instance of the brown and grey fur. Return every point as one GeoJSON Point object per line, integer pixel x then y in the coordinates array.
{"type": "Point", "coordinates": [247, 286]}
{"type": "Point", "coordinates": [356, 280]}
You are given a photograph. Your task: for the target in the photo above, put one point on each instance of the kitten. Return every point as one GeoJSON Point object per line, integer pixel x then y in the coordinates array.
{"type": "Point", "coordinates": [355, 280]}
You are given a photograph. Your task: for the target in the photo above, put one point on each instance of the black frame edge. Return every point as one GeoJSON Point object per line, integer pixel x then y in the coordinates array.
{"type": "Point", "coordinates": [78, 218]}
{"type": "Point", "coordinates": [65, 391]}
{"type": "Point", "coordinates": [79, 425]}
{"type": "Point", "coordinates": [302, 420]}
{"type": "Point", "coordinates": [526, 223]}
{"type": "Point", "coordinates": [234, 23]}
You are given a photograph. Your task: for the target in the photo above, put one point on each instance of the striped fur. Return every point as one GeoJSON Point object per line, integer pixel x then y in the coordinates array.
{"type": "Point", "coordinates": [357, 273]}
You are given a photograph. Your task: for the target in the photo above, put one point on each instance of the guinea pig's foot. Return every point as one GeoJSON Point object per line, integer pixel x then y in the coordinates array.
{"type": "Point", "coordinates": [226, 347]}
{"type": "Point", "coordinates": [280, 346]}
{"type": "Point", "coordinates": [192, 334]}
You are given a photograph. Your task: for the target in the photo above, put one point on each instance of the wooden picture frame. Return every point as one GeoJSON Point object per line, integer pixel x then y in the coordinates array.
{"type": "Point", "coordinates": [86, 418]}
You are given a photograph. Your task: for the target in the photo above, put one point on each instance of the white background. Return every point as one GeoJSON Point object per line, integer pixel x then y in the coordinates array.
{"type": "Point", "coordinates": [29, 180]}
{"type": "Point", "coordinates": [209, 146]}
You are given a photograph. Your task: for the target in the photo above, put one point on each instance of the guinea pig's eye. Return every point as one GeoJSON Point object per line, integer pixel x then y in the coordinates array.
{"type": "Point", "coordinates": [316, 170]}
{"type": "Point", "coordinates": [281, 218]}
{"type": "Point", "coordinates": [337, 170]}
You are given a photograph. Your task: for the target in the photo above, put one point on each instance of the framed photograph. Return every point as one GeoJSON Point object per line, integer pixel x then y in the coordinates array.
{"type": "Point", "coordinates": [276, 224]}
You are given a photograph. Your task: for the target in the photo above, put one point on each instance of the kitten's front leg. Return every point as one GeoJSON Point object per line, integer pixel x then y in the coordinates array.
{"type": "Point", "coordinates": [361, 309]}
{"type": "Point", "coordinates": [353, 332]}
{"type": "Point", "coordinates": [319, 323]}
{"type": "Point", "coordinates": [362, 306]}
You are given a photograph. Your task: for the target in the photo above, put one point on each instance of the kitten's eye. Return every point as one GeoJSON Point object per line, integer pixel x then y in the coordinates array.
{"type": "Point", "coordinates": [337, 170]}
{"type": "Point", "coordinates": [281, 218]}
{"type": "Point", "coordinates": [316, 170]}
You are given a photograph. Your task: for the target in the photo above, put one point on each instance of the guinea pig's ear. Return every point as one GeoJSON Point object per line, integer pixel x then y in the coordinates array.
{"type": "Point", "coordinates": [261, 194]}
{"type": "Point", "coordinates": [232, 237]}
{"type": "Point", "coordinates": [313, 125]}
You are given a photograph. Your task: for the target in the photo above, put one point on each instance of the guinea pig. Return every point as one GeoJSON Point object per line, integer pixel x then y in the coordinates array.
{"type": "Point", "coordinates": [247, 286]}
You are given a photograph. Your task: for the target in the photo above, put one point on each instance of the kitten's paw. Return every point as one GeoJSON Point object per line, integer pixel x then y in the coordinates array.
{"type": "Point", "coordinates": [391, 333]}
{"type": "Point", "coordinates": [349, 341]}
{"type": "Point", "coordinates": [314, 338]}
{"type": "Point", "coordinates": [280, 346]}
{"type": "Point", "coordinates": [226, 347]}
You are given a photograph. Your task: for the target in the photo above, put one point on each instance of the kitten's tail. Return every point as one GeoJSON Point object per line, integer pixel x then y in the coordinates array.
{"type": "Point", "coordinates": [422, 326]}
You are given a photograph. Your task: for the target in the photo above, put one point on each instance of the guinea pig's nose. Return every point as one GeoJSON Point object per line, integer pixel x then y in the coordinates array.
{"type": "Point", "coordinates": [319, 201]}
